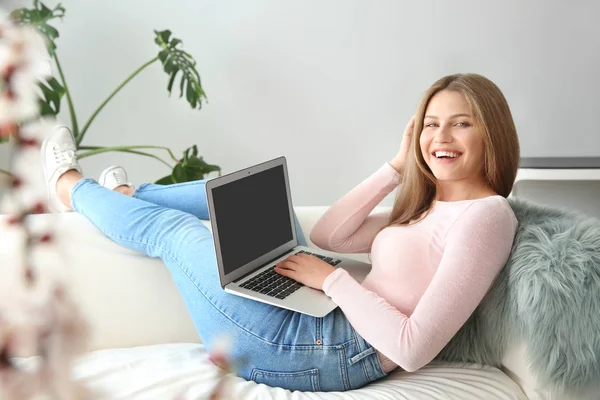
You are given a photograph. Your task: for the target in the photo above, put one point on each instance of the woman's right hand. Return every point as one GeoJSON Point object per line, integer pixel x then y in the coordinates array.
{"type": "Point", "coordinates": [400, 159]}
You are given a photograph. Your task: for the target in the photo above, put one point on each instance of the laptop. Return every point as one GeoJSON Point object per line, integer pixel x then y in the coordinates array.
{"type": "Point", "coordinates": [254, 228]}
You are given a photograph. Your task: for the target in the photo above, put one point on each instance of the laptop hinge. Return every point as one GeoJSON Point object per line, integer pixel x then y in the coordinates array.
{"type": "Point", "coordinates": [268, 262]}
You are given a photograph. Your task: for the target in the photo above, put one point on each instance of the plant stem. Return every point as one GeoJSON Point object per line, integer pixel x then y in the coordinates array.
{"type": "Point", "coordinates": [3, 171]}
{"type": "Point", "coordinates": [74, 124]}
{"type": "Point", "coordinates": [125, 82]}
{"type": "Point", "coordinates": [126, 149]}
{"type": "Point", "coordinates": [136, 152]}
{"type": "Point", "coordinates": [142, 153]}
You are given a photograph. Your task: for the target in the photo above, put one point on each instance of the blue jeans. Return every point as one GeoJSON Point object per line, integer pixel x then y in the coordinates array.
{"type": "Point", "coordinates": [271, 345]}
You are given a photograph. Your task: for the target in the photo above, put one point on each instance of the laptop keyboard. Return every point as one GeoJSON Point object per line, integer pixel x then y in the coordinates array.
{"type": "Point", "coordinates": [328, 260]}
{"type": "Point", "coordinates": [272, 284]}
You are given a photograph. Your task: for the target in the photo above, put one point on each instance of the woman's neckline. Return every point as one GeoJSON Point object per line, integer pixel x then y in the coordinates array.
{"type": "Point", "coordinates": [466, 201]}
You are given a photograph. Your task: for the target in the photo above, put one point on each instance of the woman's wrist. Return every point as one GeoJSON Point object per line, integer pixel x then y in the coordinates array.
{"type": "Point", "coordinates": [326, 273]}
{"type": "Point", "coordinates": [328, 279]}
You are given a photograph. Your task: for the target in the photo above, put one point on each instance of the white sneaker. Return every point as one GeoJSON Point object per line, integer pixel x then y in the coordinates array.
{"type": "Point", "coordinates": [58, 156]}
{"type": "Point", "coordinates": [113, 177]}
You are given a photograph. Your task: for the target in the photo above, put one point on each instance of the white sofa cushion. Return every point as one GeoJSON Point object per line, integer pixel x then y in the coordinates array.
{"type": "Point", "coordinates": [183, 371]}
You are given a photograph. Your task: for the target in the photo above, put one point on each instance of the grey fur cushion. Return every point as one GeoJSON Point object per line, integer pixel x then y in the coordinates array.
{"type": "Point", "coordinates": [548, 296]}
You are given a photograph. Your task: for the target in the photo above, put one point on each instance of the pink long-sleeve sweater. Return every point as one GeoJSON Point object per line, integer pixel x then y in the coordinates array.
{"type": "Point", "coordinates": [426, 278]}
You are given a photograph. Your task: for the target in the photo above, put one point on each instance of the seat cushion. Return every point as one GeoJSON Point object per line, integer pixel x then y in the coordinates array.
{"type": "Point", "coordinates": [183, 371]}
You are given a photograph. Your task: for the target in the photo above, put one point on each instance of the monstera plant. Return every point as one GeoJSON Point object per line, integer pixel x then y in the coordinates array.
{"type": "Point", "coordinates": [177, 63]}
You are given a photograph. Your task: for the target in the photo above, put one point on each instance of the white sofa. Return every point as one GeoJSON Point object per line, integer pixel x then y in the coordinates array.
{"type": "Point", "coordinates": [144, 346]}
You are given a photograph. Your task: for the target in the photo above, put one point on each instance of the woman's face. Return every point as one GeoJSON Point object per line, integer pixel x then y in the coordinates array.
{"type": "Point", "coordinates": [451, 144]}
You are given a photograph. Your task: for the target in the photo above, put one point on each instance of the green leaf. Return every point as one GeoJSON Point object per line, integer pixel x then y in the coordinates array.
{"type": "Point", "coordinates": [189, 168]}
{"type": "Point", "coordinates": [162, 56]}
{"type": "Point", "coordinates": [197, 164]}
{"type": "Point", "coordinates": [165, 180]}
{"type": "Point", "coordinates": [190, 94]}
{"type": "Point", "coordinates": [38, 18]}
{"type": "Point", "coordinates": [175, 60]}
{"type": "Point", "coordinates": [173, 75]}
{"type": "Point", "coordinates": [194, 175]}
{"type": "Point", "coordinates": [181, 84]}
{"type": "Point", "coordinates": [179, 174]}
{"type": "Point", "coordinates": [51, 97]}
{"type": "Point", "coordinates": [211, 168]}
{"type": "Point", "coordinates": [162, 37]}
{"type": "Point", "coordinates": [170, 67]}
{"type": "Point", "coordinates": [45, 109]}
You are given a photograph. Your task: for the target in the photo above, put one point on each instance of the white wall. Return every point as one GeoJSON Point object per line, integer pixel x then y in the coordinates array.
{"type": "Point", "coordinates": [329, 84]}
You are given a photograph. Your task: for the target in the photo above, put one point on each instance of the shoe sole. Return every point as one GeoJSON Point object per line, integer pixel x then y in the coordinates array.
{"type": "Point", "coordinates": [43, 155]}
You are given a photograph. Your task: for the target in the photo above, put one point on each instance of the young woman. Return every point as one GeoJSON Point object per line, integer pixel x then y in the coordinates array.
{"type": "Point", "coordinates": [434, 256]}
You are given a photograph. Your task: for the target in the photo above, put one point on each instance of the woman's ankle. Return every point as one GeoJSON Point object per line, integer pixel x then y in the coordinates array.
{"type": "Point", "coordinates": [65, 184]}
{"type": "Point", "coordinates": [124, 189]}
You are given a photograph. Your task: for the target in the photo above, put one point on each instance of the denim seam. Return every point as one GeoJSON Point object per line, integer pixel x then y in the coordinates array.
{"type": "Point", "coordinates": [312, 373]}
{"type": "Point", "coordinates": [377, 365]}
{"type": "Point", "coordinates": [318, 322]}
{"type": "Point", "coordinates": [361, 356]}
{"type": "Point", "coordinates": [316, 381]}
{"type": "Point", "coordinates": [159, 188]}
{"type": "Point", "coordinates": [373, 370]}
{"type": "Point", "coordinates": [366, 369]}
{"type": "Point", "coordinates": [257, 371]}
{"type": "Point", "coordinates": [360, 350]}
{"type": "Point", "coordinates": [344, 367]}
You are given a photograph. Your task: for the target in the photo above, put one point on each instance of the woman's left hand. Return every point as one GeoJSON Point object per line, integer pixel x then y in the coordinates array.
{"type": "Point", "coordinates": [306, 269]}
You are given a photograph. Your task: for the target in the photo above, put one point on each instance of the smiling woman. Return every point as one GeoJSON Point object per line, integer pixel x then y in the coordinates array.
{"type": "Point", "coordinates": [450, 231]}
{"type": "Point", "coordinates": [453, 148]}
{"type": "Point", "coordinates": [461, 144]}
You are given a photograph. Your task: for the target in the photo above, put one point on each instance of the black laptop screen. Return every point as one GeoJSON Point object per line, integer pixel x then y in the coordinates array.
{"type": "Point", "coordinates": [252, 216]}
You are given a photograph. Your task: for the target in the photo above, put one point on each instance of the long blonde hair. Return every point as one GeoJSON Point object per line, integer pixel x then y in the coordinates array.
{"type": "Point", "coordinates": [501, 146]}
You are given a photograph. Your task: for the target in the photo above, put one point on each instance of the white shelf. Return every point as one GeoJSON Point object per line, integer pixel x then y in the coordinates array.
{"type": "Point", "coordinates": [543, 174]}
{"type": "Point", "coordinates": [558, 174]}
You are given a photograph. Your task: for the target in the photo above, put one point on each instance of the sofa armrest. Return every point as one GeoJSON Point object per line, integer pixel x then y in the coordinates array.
{"type": "Point", "coordinates": [128, 298]}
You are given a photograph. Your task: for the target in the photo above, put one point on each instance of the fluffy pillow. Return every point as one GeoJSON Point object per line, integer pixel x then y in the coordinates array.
{"type": "Point", "coordinates": [547, 296]}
